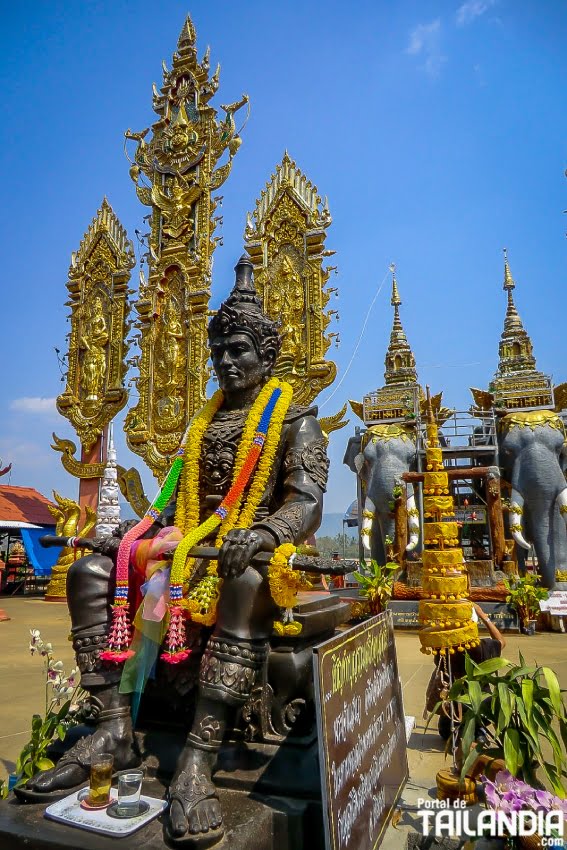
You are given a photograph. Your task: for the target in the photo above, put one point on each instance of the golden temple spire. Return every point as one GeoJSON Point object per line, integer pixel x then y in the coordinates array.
{"type": "Point", "coordinates": [512, 320]}
{"type": "Point", "coordinates": [515, 345]}
{"type": "Point", "coordinates": [517, 384]}
{"type": "Point", "coordinates": [399, 362]}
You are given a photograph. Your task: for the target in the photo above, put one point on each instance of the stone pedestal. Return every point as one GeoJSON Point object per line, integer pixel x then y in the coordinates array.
{"type": "Point", "coordinates": [270, 796]}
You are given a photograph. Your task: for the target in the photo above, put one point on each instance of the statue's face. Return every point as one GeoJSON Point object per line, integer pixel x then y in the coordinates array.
{"type": "Point", "coordinates": [237, 364]}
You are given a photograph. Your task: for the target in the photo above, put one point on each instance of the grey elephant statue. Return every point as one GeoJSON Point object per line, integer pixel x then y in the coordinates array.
{"type": "Point", "coordinates": [533, 459]}
{"type": "Point", "coordinates": [379, 457]}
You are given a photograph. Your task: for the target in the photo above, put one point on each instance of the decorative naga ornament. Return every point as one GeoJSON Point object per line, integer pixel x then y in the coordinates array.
{"type": "Point", "coordinates": [401, 395]}
{"type": "Point", "coordinates": [67, 515]}
{"type": "Point", "coordinates": [286, 243]}
{"type": "Point", "coordinates": [108, 513]}
{"type": "Point", "coordinates": [98, 288]}
{"type": "Point", "coordinates": [176, 173]}
{"type": "Point", "coordinates": [517, 384]}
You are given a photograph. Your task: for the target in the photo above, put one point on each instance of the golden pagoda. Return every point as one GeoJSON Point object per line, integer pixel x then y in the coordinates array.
{"type": "Point", "coordinates": [446, 610]}
{"type": "Point", "coordinates": [517, 383]}
{"type": "Point", "coordinates": [400, 395]}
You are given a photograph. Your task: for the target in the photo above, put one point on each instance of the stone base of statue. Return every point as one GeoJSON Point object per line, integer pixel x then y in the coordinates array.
{"type": "Point", "coordinates": [267, 773]}
{"type": "Point", "coordinates": [270, 797]}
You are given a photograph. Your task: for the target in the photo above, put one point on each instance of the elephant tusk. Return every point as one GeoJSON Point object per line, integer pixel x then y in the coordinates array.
{"type": "Point", "coordinates": [367, 520]}
{"type": "Point", "coordinates": [516, 522]}
{"type": "Point", "coordinates": [413, 522]}
{"type": "Point", "coordinates": [562, 504]}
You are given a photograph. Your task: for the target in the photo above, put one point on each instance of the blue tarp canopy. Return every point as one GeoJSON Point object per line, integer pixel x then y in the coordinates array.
{"type": "Point", "coordinates": [42, 560]}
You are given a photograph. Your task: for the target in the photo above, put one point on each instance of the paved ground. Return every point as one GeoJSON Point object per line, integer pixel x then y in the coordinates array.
{"type": "Point", "coordinates": [22, 687]}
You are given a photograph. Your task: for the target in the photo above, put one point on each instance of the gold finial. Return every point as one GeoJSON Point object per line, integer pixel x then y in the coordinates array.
{"type": "Point", "coordinates": [509, 284]}
{"type": "Point", "coordinates": [187, 36]}
{"type": "Point", "coordinates": [395, 300]}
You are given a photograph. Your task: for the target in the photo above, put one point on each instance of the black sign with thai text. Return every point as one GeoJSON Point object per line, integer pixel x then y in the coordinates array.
{"type": "Point", "coordinates": [362, 739]}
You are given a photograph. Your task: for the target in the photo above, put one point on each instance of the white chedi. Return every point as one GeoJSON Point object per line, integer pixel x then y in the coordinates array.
{"type": "Point", "coordinates": [108, 513]}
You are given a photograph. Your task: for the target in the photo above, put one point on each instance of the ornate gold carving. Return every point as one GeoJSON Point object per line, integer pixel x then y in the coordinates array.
{"type": "Point", "coordinates": [98, 287]}
{"type": "Point", "coordinates": [67, 515]}
{"type": "Point", "coordinates": [383, 433]}
{"type": "Point", "coordinates": [333, 423]}
{"type": "Point", "coordinates": [357, 408]}
{"type": "Point", "coordinates": [531, 419]}
{"type": "Point", "coordinates": [560, 394]}
{"type": "Point", "coordinates": [482, 399]}
{"type": "Point", "coordinates": [440, 413]}
{"type": "Point", "coordinates": [132, 489]}
{"type": "Point", "coordinates": [286, 243]}
{"type": "Point", "coordinates": [175, 173]}
{"type": "Point", "coordinates": [129, 480]}
{"type": "Point", "coordinates": [71, 464]}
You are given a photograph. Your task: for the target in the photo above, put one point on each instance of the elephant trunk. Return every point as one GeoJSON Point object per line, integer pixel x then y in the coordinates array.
{"type": "Point", "coordinates": [413, 521]}
{"type": "Point", "coordinates": [516, 520]}
{"type": "Point", "coordinates": [367, 521]}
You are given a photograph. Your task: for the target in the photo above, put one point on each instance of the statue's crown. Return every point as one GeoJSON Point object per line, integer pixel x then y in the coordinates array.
{"type": "Point", "coordinates": [242, 312]}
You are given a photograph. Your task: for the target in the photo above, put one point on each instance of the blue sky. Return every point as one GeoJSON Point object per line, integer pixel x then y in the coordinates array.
{"type": "Point", "coordinates": [437, 130]}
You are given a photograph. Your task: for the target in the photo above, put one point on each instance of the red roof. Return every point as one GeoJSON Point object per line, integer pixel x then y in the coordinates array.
{"type": "Point", "coordinates": [24, 504]}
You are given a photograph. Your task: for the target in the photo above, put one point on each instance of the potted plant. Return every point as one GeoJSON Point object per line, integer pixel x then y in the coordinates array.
{"type": "Point", "coordinates": [377, 584]}
{"type": "Point", "coordinates": [62, 697]}
{"type": "Point", "coordinates": [525, 594]}
{"type": "Point", "coordinates": [518, 707]}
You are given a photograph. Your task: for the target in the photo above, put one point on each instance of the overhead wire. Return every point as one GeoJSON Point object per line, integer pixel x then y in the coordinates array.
{"type": "Point", "coordinates": [359, 340]}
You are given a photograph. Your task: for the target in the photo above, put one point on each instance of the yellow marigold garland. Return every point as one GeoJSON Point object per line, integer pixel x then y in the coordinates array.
{"type": "Point", "coordinates": [284, 586]}
{"type": "Point", "coordinates": [187, 508]}
{"type": "Point", "coordinates": [202, 600]}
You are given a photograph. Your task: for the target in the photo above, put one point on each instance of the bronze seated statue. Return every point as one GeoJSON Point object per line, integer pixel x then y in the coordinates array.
{"type": "Point", "coordinates": [291, 474]}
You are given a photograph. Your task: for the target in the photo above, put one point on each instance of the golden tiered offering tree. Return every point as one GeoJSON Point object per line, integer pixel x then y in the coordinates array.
{"type": "Point", "coordinates": [446, 611]}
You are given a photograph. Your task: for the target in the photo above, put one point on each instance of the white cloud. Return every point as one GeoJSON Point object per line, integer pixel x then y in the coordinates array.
{"type": "Point", "coordinates": [24, 454]}
{"type": "Point", "coordinates": [33, 405]}
{"type": "Point", "coordinates": [424, 41]}
{"type": "Point", "coordinates": [471, 9]}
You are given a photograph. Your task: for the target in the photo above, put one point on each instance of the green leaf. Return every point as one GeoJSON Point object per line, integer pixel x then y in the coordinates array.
{"type": "Point", "coordinates": [554, 691]}
{"type": "Point", "coordinates": [64, 710]}
{"type": "Point", "coordinates": [490, 666]}
{"type": "Point", "coordinates": [475, 693]}
{"type": "Point", "coordinates": [512, 750]}
{"type": "Point", "coordinates": [60, 731]}
{"type": "Point", "coordinates": [45, 764]}
{"type": "Point", "coordinates": [469, 726]}
{"type": "Point", "coordinates": [506, 699]}
{"type": "Point", "coordinates": [468, 762]}
{"type": "Point", "coordinates": [528, 694]}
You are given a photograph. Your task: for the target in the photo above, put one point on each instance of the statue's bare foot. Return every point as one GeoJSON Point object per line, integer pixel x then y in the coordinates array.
{"type": "Point", "coordinates": [73, 768]}
{"type": "Point", "coordinates": [195, 813]}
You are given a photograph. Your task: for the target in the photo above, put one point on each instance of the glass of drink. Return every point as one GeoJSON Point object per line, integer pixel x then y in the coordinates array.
{"type": "Point", "coordinates": [101, 779]}
{"type": "Point", "coordinates": [129, 789]}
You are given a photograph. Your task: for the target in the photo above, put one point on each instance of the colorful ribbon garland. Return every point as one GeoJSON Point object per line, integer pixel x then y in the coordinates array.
{"type": "Point", "coordinates": [120, 631]}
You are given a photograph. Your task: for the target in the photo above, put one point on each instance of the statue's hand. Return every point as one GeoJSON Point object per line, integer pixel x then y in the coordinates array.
{"type": "Point", "coordinates": [239, 547]}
